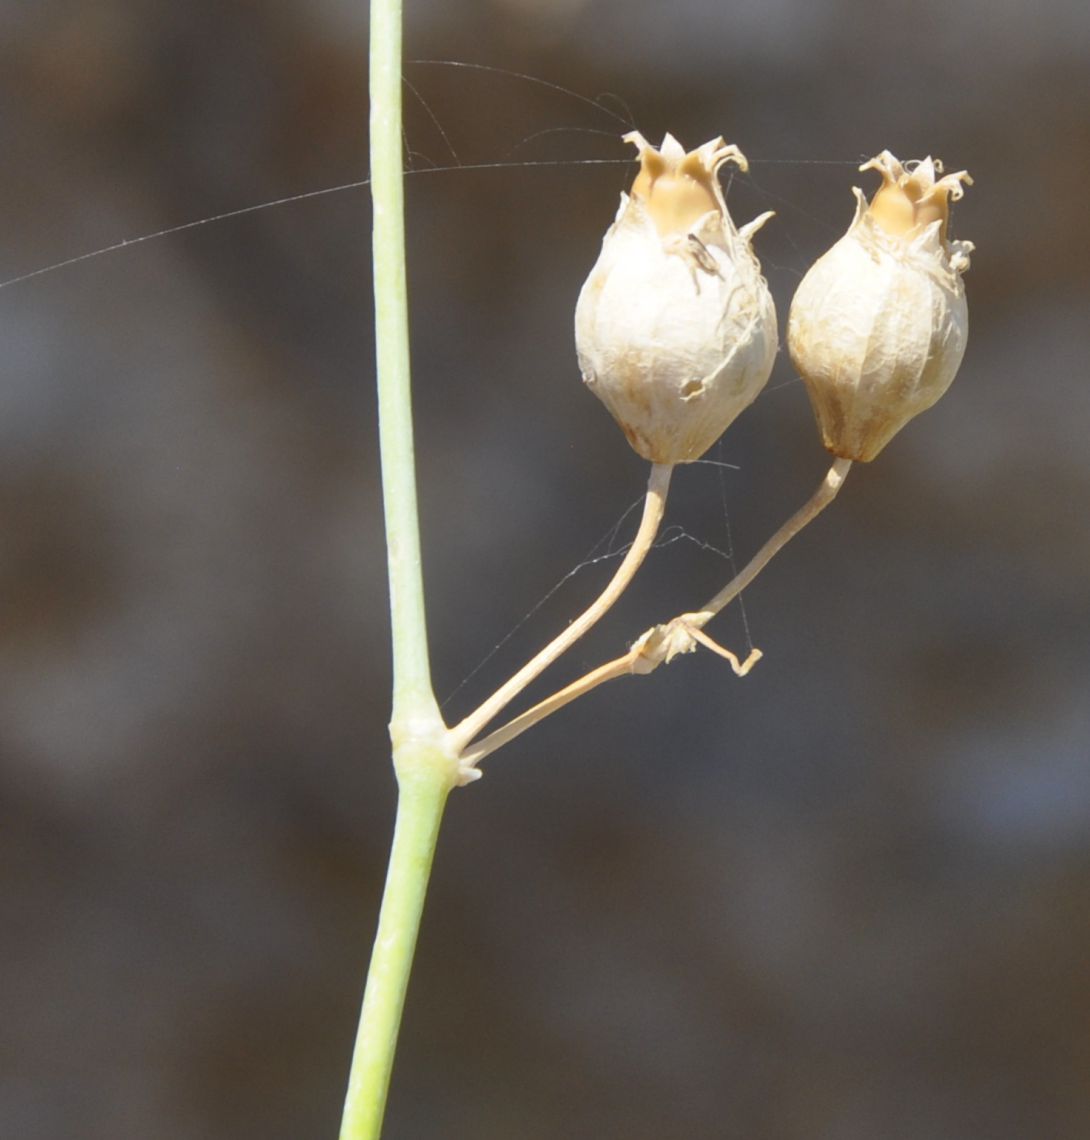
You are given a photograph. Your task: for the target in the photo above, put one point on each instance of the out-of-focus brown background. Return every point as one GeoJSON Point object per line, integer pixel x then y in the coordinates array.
{"type": "Point", "coordinates": [844, 898]}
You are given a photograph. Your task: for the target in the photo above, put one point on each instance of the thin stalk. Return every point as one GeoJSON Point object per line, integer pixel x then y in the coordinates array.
{"type": "Point", "coordinates": [681, 635]}
{"type": "Point", "coordinates": [658, 485]}
{"type": "Point", "coordinates": [426, 768]}
{"type": "Point", "coordinates": [516, 727]}
{"type": "Point", "coordinates": [821, 498]}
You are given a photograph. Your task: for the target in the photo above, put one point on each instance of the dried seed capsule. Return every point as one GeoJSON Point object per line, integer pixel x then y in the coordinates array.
{"type": "Point", "coordinates": [675, 328]}
{"type": "Point", "coordinates": [878, 326]}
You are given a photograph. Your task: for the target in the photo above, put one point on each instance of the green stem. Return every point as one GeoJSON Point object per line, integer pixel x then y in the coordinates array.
{"type": "Point", "coordinates": [412, 678]}
{"type": "Point", "coordinates": [425, 764]}
{"type": "Point", "coordinates": [423, 788]}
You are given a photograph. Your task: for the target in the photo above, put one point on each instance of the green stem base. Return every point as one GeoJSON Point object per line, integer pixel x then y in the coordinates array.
{"type": "Point", "coordinates": [425, 777]}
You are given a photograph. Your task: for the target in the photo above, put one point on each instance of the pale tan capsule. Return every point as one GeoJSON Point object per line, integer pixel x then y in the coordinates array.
{"type": "Point", "coordinates": [675, 328]}
{"type": "Point", "coordinates": [879, 324]}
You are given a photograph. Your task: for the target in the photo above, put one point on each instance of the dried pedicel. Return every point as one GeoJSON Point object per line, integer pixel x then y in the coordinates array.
{"type": "Point", "coordinates": [675, 328]}
{"type": "Point", "coordinates": [878, 326]}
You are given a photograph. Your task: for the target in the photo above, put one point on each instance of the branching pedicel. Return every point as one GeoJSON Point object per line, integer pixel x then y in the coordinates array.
{"type": "Point", "coordinates": [676, 334]}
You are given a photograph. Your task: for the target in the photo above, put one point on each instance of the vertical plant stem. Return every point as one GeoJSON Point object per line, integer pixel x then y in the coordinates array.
{"type": "Point", "coordinates": [425, 765]}
{"type": "Point", "coordinates": [412, 680]}
{"type": "Point", "coordinates": [421, 797]}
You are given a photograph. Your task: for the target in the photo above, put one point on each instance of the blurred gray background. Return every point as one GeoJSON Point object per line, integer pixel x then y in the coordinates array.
{"type": "Point", "coordinates": [846, 897]}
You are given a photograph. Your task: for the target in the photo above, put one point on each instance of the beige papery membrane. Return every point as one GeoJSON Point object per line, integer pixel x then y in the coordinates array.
{"type": "Point", "coordinates": [878, 326]}
{"type": "Point", "coordinates": [675, 328]}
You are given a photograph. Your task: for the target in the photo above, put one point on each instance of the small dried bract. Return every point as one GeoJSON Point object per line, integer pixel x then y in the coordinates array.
{"type": "Point", "coordinates": [675, 328]}
{"type": "Point", "coordinates": [879, 324]}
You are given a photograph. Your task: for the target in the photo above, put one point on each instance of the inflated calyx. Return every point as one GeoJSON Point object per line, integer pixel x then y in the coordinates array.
{"type": "Point", "coordinates": [675, 328]}
{"type": "Point", "coordinates": [878, 325]}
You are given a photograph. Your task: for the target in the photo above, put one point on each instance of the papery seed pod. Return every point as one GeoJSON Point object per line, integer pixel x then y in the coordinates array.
{"type": "Point", "coordinates": [878, 325]}
{"type": "Point", "coordinates": [675, 328]}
